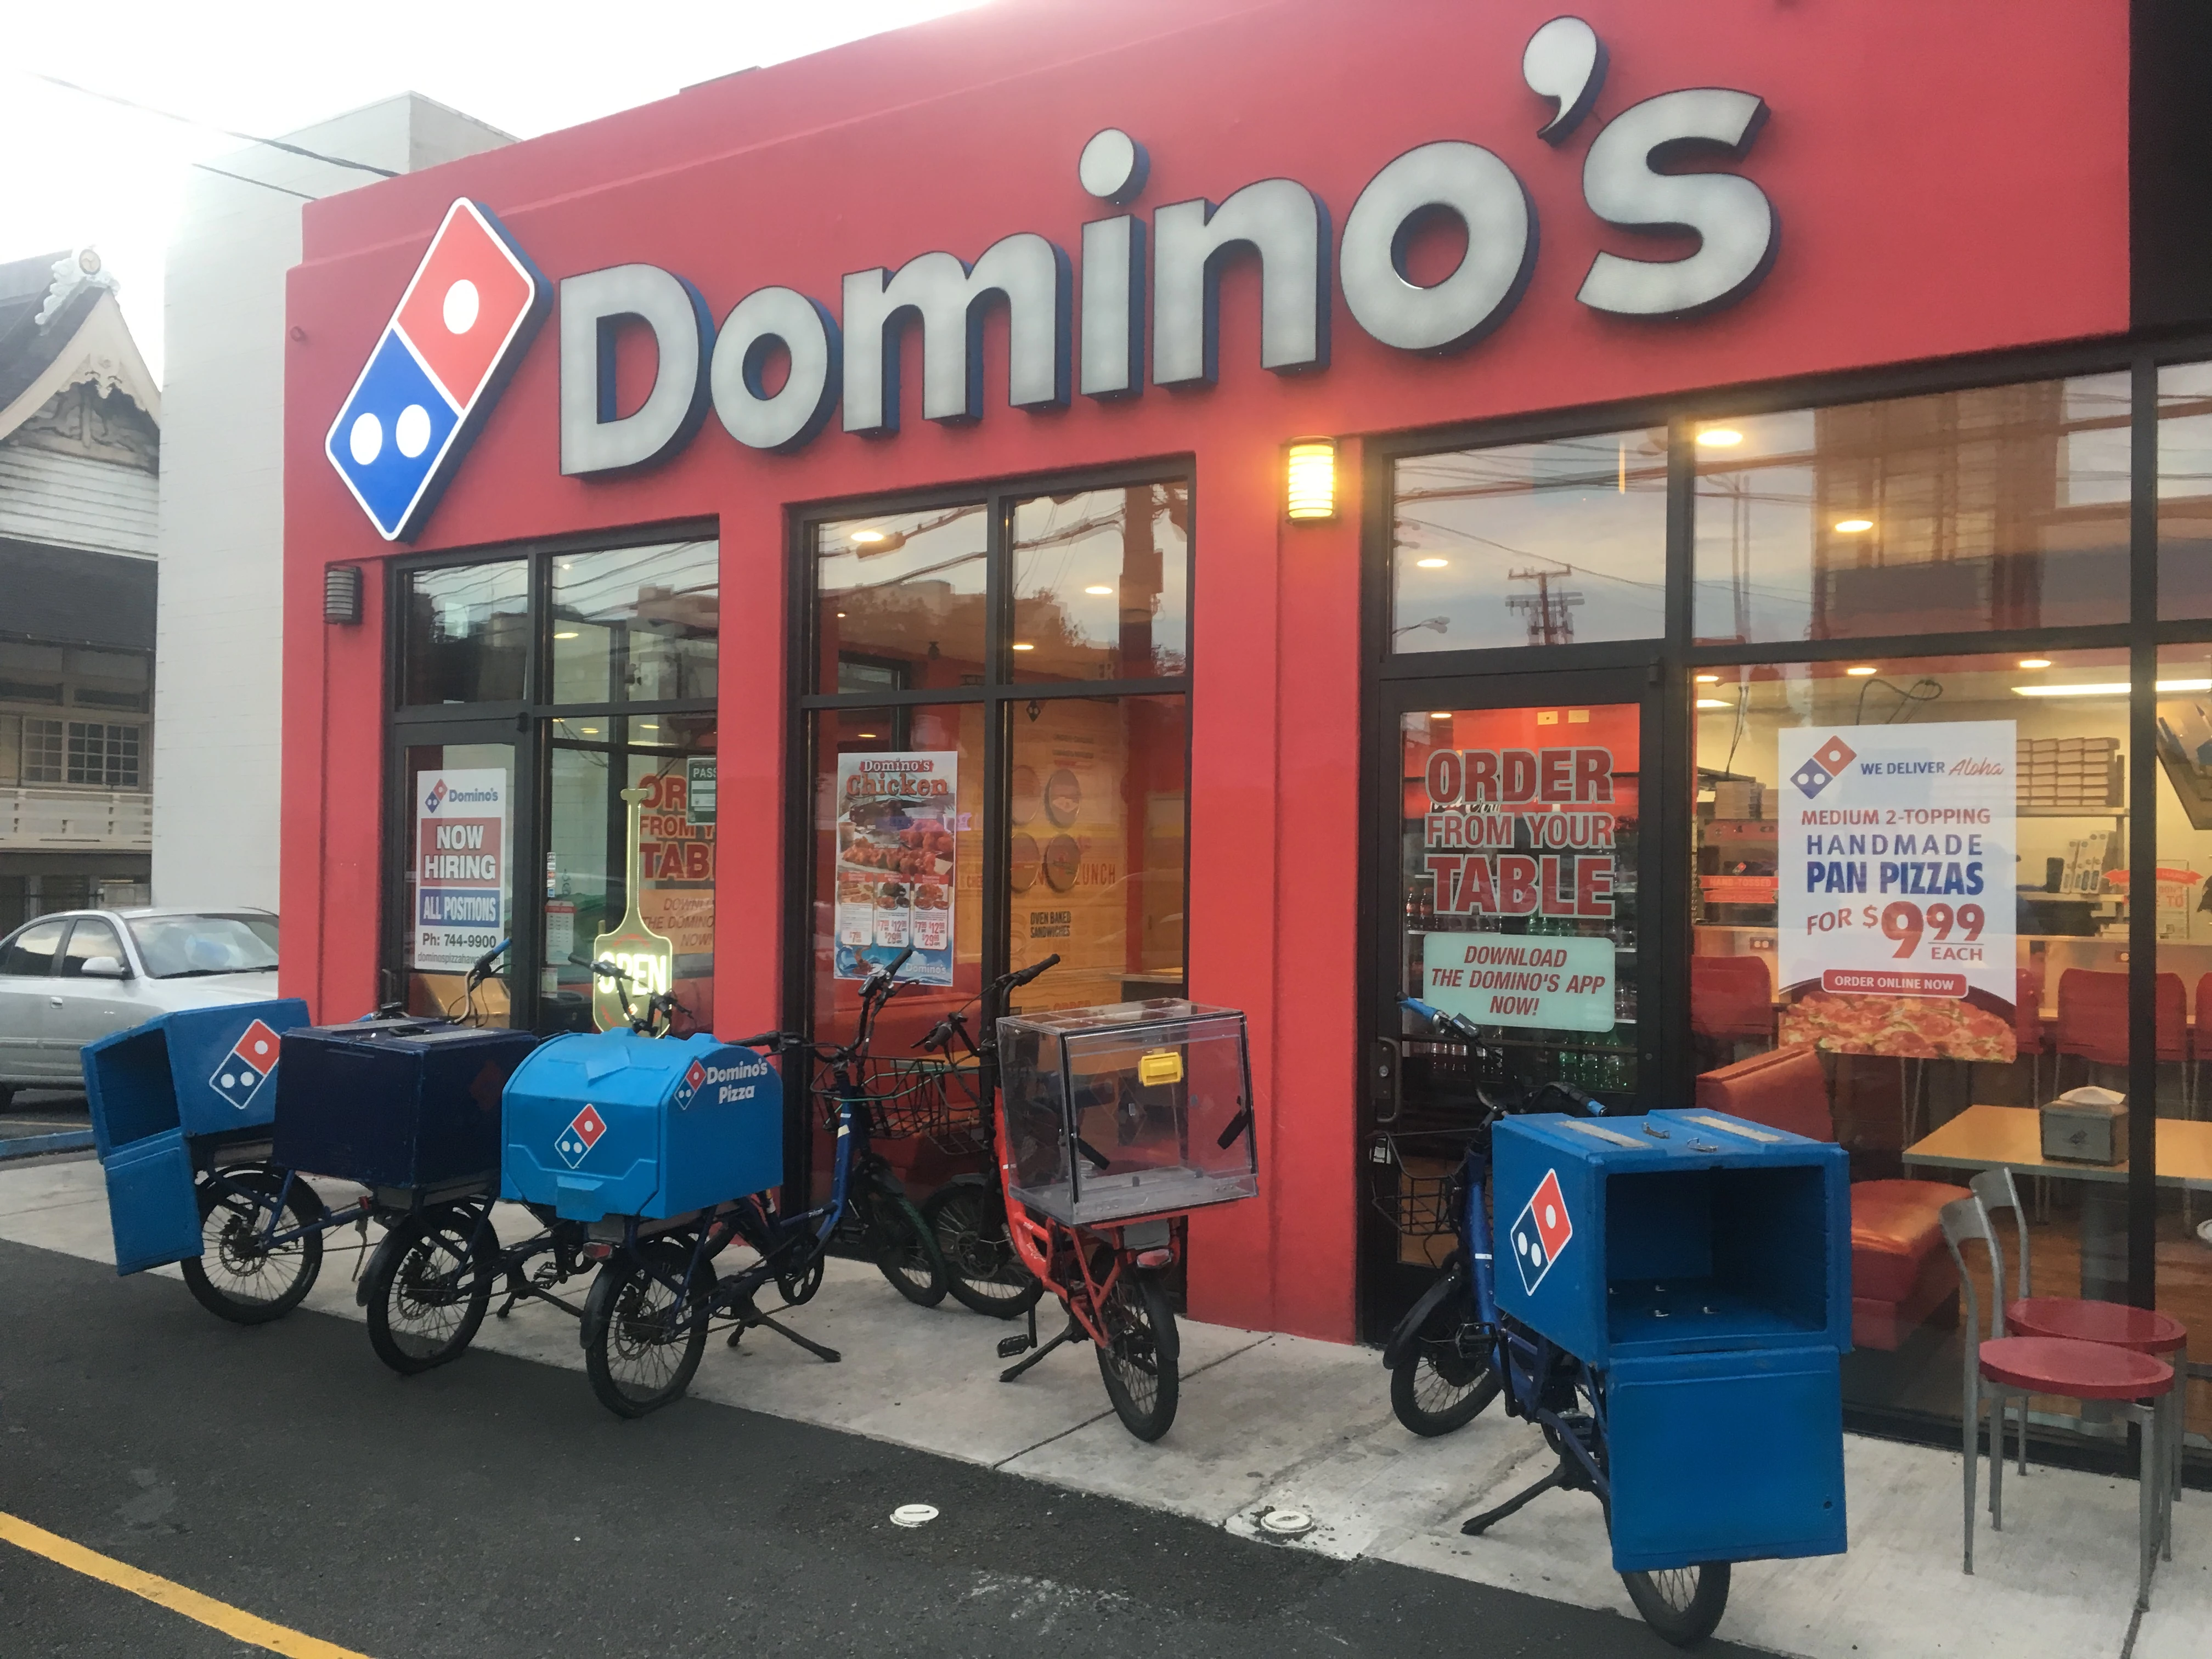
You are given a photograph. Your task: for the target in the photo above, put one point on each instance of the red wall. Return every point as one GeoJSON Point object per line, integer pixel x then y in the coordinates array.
{"type": "Point", "coordinates": [1949, 178]}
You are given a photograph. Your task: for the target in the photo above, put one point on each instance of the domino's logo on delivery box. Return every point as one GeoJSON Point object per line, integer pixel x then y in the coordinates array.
{"type": "Point", "coordinates": [463, 323]}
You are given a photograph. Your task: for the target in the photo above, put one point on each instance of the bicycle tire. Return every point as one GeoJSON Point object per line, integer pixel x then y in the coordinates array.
{"type": "Point", "coordinates": [1140, 1365]}
{"type": "Point", "coordinates": [797, 1288]}
{"type": "Point", "coordinates": [899, 1243]}
{"type": "Point", "coordinates": [968, 1219]}
{"type": "Point", "coordinates": [428, 1286]}
{"type": "Point", "coordinates": [250, 1285]}
{"type": "Point", "coordinates": [1681, 1609]}
{"type": "Point", "coordinates": [639, 1349]}
{"type": "Point", "coordinates": [1434, 1388]}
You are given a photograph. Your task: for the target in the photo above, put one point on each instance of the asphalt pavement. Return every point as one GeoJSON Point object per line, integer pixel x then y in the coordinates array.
{"type": "Point", "coordinates": [43, 1114]}
{"type": "Point", "coordinates": [493, 1509]}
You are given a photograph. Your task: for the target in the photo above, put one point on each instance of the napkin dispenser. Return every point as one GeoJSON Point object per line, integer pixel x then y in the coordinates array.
{"type": "Point", "coordinates": [2085, 1126]}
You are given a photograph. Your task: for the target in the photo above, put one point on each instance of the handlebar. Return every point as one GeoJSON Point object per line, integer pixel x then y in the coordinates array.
{"type": "Point", "coordinates": [1014, 982]}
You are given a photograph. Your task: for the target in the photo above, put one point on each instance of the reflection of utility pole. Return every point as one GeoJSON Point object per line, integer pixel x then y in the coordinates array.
{"type": "Point", "coordinates": [1548, 620]}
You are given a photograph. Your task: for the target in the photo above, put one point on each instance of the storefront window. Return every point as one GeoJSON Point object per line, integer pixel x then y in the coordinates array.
{"type": "Point", "coordinates": [1540, 544]}
{"type": "Point", "coordinates": [1994, 508]}
{"type": "Point", "coordinates": [1910, 913]}
{"type": "Point", "coordinates": [636, 625]}
{"type": "Point", "coordinates": [2184, 491]}
{"type": "Point", "coordinates": [465, 634]}
{"type": "Point", "coordinates": [900, 600]}
{"type": "Point", "coordinates": [1100, 583]}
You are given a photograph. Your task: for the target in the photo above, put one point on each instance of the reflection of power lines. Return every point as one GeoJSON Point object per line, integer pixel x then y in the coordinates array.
{"type": "Point", "coordinates": [1549, 623]}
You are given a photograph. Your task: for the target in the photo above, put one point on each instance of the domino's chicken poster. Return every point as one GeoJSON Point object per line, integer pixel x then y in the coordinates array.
{"type": "Point", "coordinates": [1895, 914]}
{"type": "Point", "coordinates": [461, 818]}
{"type": "Point", "coordinates": [897, 828]}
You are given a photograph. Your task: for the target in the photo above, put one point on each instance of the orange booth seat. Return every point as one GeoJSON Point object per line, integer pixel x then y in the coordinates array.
{"type": "Point", "coordinates": [1900, 1272]}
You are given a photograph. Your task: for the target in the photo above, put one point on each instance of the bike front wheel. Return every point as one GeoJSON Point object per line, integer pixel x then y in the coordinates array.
{"type": "Point", "coordinates": [235, 1277]}
{"type": "Point", "coordinates": [1436, 1386]}
{"type": "Point", "coordinates": [428, 1285]}
{"type": "Point", "coordinates": [968, 1219]}
{"type": "Point", "coordinates": [1683, 1604]}
{"type": "Point", "coordinates": [642, 1340]}
{"type": "Point", "coordinates": [899, 1245]}
{"type": "Point", "coordinates": [1139, 1358]}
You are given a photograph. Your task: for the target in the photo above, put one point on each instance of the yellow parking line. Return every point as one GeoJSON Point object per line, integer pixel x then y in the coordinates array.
{"type": "Point", "coordinates": [216, 1616]}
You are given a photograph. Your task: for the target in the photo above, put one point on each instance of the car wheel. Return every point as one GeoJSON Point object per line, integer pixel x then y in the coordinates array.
{"type": "Point", "coordinates": [7, 1096]}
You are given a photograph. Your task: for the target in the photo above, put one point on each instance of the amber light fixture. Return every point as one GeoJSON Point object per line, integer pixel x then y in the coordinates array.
{"type": "Point", "coordinates": [1309, 479]}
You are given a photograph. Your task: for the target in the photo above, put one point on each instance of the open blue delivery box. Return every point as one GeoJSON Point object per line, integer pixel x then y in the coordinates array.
{"type": "Point", "coordinates": [164, 1096]}
{"type": "Point", "coordinates": [610, 1124]}
{"type": "Point", "coordinates": [1701, 1264]}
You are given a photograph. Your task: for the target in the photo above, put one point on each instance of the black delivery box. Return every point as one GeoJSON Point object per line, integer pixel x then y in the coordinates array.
{"type": "Point", "coordinates": [395, 1103]}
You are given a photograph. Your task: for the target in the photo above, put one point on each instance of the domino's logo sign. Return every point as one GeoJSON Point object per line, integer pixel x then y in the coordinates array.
{"type": "Point", "coordinates": [694, 1078]}
{"type": "Point", "coordinates": [1825, 766]}
{"type": "Point", "coordinates": [247, 1066]}
{"type": "Point", "coordinates": [582, 1134]}
{"type": "Point", "coordinates": [462, 325]}
{"type": "Point", "coordinates": [1539, 1232]}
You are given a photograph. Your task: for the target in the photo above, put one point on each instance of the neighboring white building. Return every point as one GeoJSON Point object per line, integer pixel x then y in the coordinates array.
{"type": "Point", "coordinates": [80, 448]}
{"type": "Point", "coordinates": [217, 758]}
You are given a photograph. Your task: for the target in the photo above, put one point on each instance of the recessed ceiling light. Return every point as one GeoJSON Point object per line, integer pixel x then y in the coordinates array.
{"type": "Point", "coordinates": [868, 538]}
{"type": "Point", "coordinates": [648, 725]}
{"type": "Point", "coordinates": [1861, 669]}
{"type": "Point", "coordinates": [2035, 662]}
{"type": "Point", "coordinates": [568, 634]}
{"type": "Point", "coordinates": [1099, 588]}
{"type": "Point", "coordinates": [841, 615]}
{"type": "Point", "coordinates": [1441, 715]}
{"type": "Point", "coordinates": [1853, 526]}
{"type": "Point", "coordinates": [1023, 645]}
{"type": "Point", "coordinates": [1714, 702]}
{"type": "Point", "coordinates": [1707, 680]}
{"type": "Point", "coordinates": [2112, 689]}
{"type": "Point", "coordinates": [589, 731]}
{"type": "Point", "coordinates": [1720, 437]}
{"type": "Point", "coordinates": [1431, 564]}
{"type": "Point", "coordinates": [867, 734]}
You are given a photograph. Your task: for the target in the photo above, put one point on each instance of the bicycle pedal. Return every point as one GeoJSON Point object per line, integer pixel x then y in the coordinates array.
{"type": "Point", "coordinates": [1010, 1346]}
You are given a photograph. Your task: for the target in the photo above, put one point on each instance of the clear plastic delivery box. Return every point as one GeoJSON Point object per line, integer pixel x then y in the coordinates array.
{"type": "Point", "coordinates": [1137, 1109]}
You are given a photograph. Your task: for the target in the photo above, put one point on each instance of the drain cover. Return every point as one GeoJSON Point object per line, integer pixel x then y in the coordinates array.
{"type": "Point", "coordinates": [1287, 1523]}
{"type": "Point", "coordinates": [914, 1515]}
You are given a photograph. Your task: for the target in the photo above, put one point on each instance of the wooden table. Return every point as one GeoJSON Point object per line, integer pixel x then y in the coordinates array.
{"type": "Point", "coordinates": [2011, 1137]}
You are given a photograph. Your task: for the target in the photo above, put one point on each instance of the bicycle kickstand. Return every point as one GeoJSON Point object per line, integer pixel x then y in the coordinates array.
{"type": "Point", "coordinates": [1480, 1523]}
{"type": "Point", "coordinates": [1073, 1332]}
{"type": "Point", "coordinates": [749, 1315]}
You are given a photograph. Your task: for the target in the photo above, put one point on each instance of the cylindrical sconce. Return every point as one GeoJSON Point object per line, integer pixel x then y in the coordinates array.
{"type": "Point", "coordinates": [342, 594]}
{"type": "Point", "coordinates": [1309, 478]}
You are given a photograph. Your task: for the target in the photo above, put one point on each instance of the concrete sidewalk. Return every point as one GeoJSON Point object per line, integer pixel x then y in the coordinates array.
{"type": "Point", "coordinates": [1272, 1421]}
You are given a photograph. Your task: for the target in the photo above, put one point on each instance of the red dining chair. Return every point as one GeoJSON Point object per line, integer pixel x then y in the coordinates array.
{"type": "Point", "coordinates": [2081, 1319]}
{"type": "Point", "coordinates": [2093, 1017]}
{"type": "Point", "coordinates": [1999, 1367]}
{"type": "Point", "coordinates": [2200, 1039]}
{"type": "Point", "coordinates": [1731, 1001]}
{"type": "Point", "coordinates": [2028, 1028]}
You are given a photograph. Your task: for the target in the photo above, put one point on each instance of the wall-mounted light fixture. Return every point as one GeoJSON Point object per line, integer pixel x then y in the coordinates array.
{"type": "Point", "coordinates": [1309, 478]}
{"type": "Point", "coordinates": [342, 594]}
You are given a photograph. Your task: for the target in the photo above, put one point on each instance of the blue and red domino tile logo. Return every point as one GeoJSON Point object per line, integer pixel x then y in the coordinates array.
{"type": "Point", "coordinates": [1539, 1232]}
{"type": "Point", "coordinates": [582, 1134]}
{"type": "Point", "coordinates": [242, 1071]}
{"type": "Point", "coordinates": [462, 325]}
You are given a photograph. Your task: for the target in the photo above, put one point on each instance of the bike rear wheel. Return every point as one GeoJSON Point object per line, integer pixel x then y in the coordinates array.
{"type": "Point", "coordinates": [1684, 1604]}
{"type": "Point", "coordinates": [428, 1288]}
{"type": "Point", "coordinates": [899, 1245]}
{"type": "Point", "coordinates": [968, 1219]}
{"type": "Point", "coordinates": [235, 1277]}
{"type": "Point", "coordinates": [1139, 1361]}
{"type": "Point", "coordinates": [641, 1347]}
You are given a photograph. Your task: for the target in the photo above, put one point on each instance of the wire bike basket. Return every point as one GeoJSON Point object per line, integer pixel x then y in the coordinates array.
{"type": "Point", "coordinates": [1424, 1201]}
{"type": "Point", "coordinates": [905, 1099]}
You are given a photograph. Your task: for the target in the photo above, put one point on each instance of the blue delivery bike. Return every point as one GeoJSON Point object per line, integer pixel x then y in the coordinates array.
{"type": "Point", "coordinates": [1455, 1352]}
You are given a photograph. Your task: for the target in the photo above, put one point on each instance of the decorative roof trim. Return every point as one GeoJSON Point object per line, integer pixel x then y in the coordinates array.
{"type": "Point", "coordinates": [102, 353]}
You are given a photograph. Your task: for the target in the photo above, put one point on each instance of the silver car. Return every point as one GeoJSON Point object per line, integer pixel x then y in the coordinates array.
{"type": "Point", "coordinates": [68, 978]}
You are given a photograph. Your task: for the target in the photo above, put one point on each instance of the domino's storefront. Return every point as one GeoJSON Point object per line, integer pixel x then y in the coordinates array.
{"type": "Point", "coordinates": [1244, 501]}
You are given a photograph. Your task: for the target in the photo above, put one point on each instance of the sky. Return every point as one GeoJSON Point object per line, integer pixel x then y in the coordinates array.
{"type": "Point", "coordinates": [81, 172]}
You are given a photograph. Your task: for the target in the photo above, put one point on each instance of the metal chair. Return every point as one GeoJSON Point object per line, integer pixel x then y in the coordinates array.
{"type": "Point", "coordinates": [2000, 1366]}
{"type": "Point", "coordinates": [2085, 1319]}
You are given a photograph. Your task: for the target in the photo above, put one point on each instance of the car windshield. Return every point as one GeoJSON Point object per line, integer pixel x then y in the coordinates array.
{"type": "Point", "coordinates": [177, 947]}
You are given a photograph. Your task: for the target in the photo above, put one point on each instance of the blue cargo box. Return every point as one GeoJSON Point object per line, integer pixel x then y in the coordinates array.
{"type": "Point", "coordinates": [613, 1124]}
{"type": "Point", "coordinates": [194, 1076]}
{"type": "Point", "coordinates": [1678, 1233]}
{"type": "Point", "coordinates": [401, 1104]}
{"type": "Point", "coordinates": [1735, 1456]}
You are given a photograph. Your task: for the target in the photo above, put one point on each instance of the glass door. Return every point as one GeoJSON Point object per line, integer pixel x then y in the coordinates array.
{"type": "Point", "coordinates": [462, 831]}
{"type": "Point", "coordinates": [1511, 835]}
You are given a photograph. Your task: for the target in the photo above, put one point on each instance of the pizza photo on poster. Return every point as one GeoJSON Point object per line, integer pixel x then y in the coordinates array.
{"type": "Point", "coordinates": [1895, 920]}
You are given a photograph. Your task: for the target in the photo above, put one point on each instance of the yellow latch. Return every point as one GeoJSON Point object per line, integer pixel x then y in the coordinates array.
{"type": "Point", "coordinates": [1161, 1066]}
